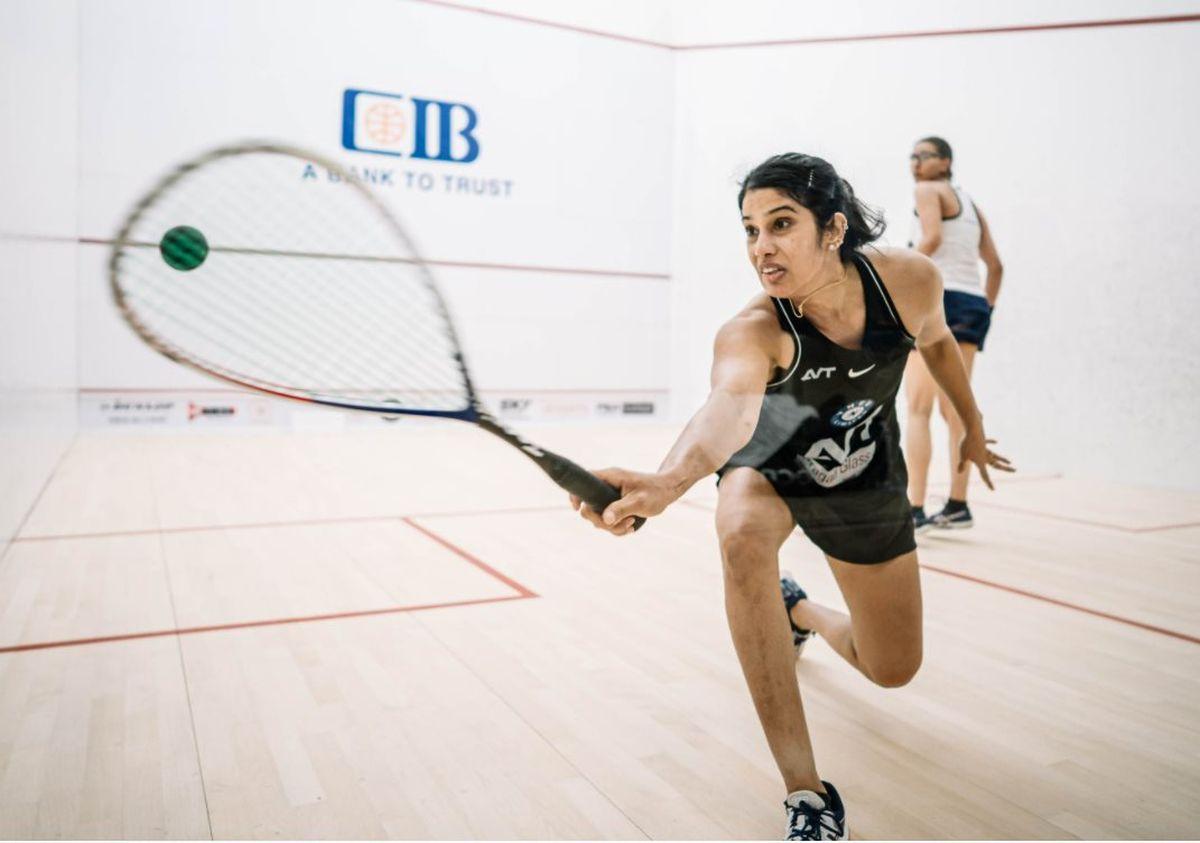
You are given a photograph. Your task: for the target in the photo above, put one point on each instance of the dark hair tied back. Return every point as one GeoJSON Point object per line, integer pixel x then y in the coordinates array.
{"type": "Point", "coordinates": [815, 184]}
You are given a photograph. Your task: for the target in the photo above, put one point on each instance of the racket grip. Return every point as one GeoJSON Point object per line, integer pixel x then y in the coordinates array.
{"type": "Point", "coordinates": [582, 483]}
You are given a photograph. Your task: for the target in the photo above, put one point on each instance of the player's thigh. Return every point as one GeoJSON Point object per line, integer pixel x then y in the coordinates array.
{"type": "Point", "coordinates": [919, 386]}
{"type": "Point", "coordinates": [885, 615]}
{"type": "Point", "coordinates": [751, 516]}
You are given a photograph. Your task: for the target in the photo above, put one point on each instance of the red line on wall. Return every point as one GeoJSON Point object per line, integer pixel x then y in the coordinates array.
{"type": "Point", "coordinates": [822, 39]}
{"type": "Point", "coordinates": [941, 33]}
{"type": "Point", "coordinates": [205, 390]}
{"type": "Point", "coordinates": [505, 267]}
{"type": "Point", "coordinates": [522, 593]}
{"type": "Point", "coordinates": [612, 36]}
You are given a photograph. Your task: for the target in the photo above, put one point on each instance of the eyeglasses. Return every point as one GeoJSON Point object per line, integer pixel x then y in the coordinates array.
{"type": "Point", "coordinates": [923, 156]}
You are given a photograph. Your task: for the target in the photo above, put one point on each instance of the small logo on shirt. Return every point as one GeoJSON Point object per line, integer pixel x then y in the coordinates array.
{"type": "Point", "coordinates": [817, 374]}
{"type": "Point", "coordinates": [851, 413]}
{"type": "Point", "coordinates": [857, 373]}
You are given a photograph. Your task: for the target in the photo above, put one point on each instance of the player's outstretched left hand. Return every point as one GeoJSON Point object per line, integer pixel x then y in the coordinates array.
{"type": "Point", "coordinates": [975, 449]}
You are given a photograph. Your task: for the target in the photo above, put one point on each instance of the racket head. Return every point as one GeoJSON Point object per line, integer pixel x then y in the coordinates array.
{"type": "Point", "coordinates": [274, 268]}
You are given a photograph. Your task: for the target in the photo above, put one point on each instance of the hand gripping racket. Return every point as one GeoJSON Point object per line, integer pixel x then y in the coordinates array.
{"type": "Point", "coordinates": [274, 269]}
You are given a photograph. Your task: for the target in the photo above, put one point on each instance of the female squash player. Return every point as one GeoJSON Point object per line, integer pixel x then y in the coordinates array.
{"type": "Point", "coordinates": [949, 228]}
{"type": "Point", "coordinates": [800, 424]}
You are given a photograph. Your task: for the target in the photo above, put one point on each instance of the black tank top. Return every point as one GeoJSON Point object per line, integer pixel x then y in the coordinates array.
{"type": "Point", "coordinates": [829, 421]}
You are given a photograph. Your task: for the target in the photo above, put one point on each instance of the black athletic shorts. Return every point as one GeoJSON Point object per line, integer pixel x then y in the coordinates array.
{"type": "Point", "coordinates": [968, 315]}
{"type": "Point", "coordinates": [866, 525]}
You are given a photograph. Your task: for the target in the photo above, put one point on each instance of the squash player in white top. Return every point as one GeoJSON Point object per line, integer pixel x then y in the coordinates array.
{"type": "Point", "coordinates": [947, 227]}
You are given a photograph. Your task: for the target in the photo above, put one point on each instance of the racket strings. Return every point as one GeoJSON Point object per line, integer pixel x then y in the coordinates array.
{"type": "Point", "coordinates": [334, 326]}
{"type": "Point", "coordinates": [249, 338]}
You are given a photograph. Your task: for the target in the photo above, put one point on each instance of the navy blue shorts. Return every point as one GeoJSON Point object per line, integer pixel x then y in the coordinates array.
{"type": "Point", "coordinates": [968, 315]}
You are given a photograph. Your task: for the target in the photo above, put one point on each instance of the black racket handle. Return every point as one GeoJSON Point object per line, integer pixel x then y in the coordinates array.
{"type": "Point", "coordinates": [581, 483]}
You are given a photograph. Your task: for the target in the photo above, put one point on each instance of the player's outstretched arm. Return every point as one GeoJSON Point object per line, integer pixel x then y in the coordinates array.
{"type": "Point", "coordinates": [941, 354]}
{"type": "Point", "coordinates": [744, 354]}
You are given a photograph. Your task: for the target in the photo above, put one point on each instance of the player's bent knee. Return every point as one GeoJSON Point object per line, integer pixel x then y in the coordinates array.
{"type": "Point", "coordinates": [747, 548]}
{"type": "Point", "coordinates": [746, 554]}
{"type": "Point", "coordinates": [895, 673]}
{"type": "Point", "coordinates": [920, 410]}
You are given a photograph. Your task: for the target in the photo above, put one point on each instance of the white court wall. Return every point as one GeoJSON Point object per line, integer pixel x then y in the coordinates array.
{"type": "Point", "coordinates": [623, 158]}
{"type": "Point", "coordinates": [38, 152]}
{"type": "Point", "coordinates": [1077, 146]}
{"type": "Point", "coordinates": [574, 138]}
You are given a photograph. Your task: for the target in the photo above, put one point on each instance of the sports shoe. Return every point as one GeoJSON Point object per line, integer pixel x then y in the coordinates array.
{"type": "Point", "coordinates": [813, 817]}
{"type": "Point", "coordinates": [956, 518]}
{"type": "Point", "coordinates": [922, 523]}
{"type": "Point", "coordinates": [793, 594]}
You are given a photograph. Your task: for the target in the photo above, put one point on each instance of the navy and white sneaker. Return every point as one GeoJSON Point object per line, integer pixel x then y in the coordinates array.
{"type": "Point", "coordinates": [811, 816]}
{"type": "Point", "coordinates": [922, 523]}
{"type": "Point", "coordinates": [793, 594]}
{"type": "Point", "coordinates": [954, 517]}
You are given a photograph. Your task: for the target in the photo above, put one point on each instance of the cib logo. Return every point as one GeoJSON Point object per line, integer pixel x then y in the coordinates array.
{"type": "Point", "coordinates": [413, 127]}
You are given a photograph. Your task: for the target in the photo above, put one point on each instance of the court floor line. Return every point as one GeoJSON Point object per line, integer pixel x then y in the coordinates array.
{"type": "Point", "coordinates": [303, 522]}
{"type": "Point", "coordinates": [522, 593]}
{"type": "Point", "coordinates": [1085, 521]}
{"type": "Point", "coordinates": [1032, 595]}
{"type": "Point", "coordinates": [516, 510]}
{"type": "Point", "coordinates": [408, 519]}
{"type": "Point", "coordinates": [1056, 602]}
{"type": "Point", "coordinates": [474, 560]}
{"type": "Point", "coordinates": [50, 475]}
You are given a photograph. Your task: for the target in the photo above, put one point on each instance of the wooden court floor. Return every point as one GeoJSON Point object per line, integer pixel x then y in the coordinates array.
{"type": "Point", "coordinates": [406, 633]}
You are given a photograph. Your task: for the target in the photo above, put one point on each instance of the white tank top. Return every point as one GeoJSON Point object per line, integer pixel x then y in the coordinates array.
{"type": "Point", "coordinates": [958, 255]}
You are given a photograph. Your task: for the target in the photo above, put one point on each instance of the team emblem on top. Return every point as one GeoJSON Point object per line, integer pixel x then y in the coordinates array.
{"type": "Point", "coordinates": [851, 413]}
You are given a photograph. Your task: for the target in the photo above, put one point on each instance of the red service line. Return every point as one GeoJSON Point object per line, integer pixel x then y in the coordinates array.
{"type": "Point", "coordinates": [267, 525]}
{"type": "Point", "coordinates": [1031, 595]}
{"type": "Point", "coordinates": [478, 563]}
{"type": "Point", "coordinates": [207, 390]}
{"type": "Point", "coordinates": [1051, 516]}
{"type": "Point", "coordinates": [1056, 602]}
{"type": "Point", "coordinates": [522, 593]}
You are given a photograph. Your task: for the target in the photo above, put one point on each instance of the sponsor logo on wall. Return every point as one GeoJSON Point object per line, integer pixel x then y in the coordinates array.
{"type": "Point", "coordinates": [170, 410]}
{"type": "Point", "coordinates": [438, 144]}
{"type": "Point", "coordinates": [625, 408]}
{"type": "Point", "coordinates": [569, 405]}
{"type": "Point", "coordinates": [125, 412]}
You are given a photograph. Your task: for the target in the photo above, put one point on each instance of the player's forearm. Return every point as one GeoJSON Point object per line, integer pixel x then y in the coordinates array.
{"type": "Point", "coordinates": [716, 432]}
{"type": "Point", "coordinates": [995, 273]}
{"type": "Point", "coordinates": [944, 361]}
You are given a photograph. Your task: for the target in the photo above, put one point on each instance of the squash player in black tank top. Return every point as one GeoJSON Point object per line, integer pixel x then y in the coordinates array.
{"type": "Point", "coordinates": [800, 425]}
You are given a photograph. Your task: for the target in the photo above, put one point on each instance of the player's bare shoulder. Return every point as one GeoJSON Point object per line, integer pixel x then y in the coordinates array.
{"type": "Point", "coordinates": [912, 279]}
{"type": "Point", "coordinates": [939, 190]}
{"type": "Point", "coordinates": [755, 326]}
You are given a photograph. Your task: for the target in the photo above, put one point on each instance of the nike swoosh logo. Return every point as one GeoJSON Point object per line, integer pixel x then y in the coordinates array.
{"type": "Point", "coordinates": [855, 374]}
